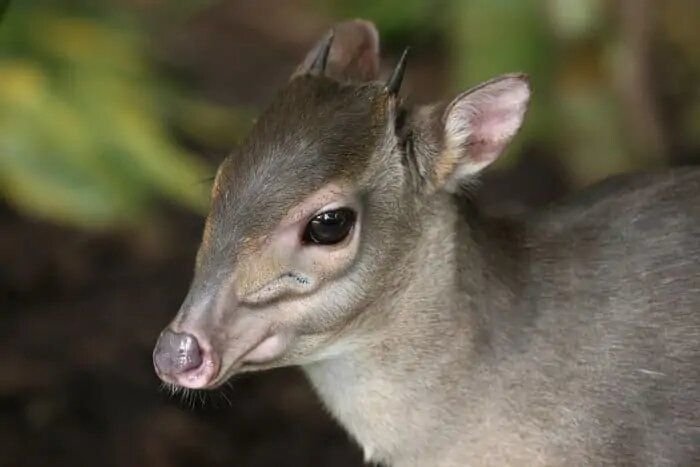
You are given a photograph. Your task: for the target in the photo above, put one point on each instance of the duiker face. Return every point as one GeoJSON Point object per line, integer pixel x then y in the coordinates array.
{"type": "Point", "coordinates": [309, 215]}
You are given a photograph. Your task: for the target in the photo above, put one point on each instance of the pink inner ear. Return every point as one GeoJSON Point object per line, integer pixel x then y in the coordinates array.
{"type": "Point", "coordinates": [491, 130]}
{"type": "Point", "coordinates": [483, 121]}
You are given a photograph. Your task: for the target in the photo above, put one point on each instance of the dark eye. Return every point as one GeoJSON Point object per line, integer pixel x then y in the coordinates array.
{"type": "Point", "coordinates": [330, 227]}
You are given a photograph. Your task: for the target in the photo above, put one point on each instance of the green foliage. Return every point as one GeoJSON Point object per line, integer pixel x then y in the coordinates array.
{"type": "Point", "coordinates": [86, 121]}
{"type": "Point", "coordinates": [516, 40]}
{"type": "Point", "coordinates": [396, 20]}
{"type": "Point", "coordinates": [590, 63]}
{"type": "Point", "coordinates": [81, 138]}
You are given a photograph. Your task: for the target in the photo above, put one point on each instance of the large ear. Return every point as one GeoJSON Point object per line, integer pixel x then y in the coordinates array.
{"type": "Point", "coordinates": [353, 54]}
{"type": "Point", "coordinates": [476, 127]}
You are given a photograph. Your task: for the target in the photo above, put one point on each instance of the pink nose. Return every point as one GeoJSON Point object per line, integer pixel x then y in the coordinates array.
{"type": "Point", "coordinates": [176, 354]}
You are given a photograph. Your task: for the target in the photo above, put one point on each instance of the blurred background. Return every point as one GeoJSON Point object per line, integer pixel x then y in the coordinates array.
{"type": "Point", "coordinates": [114, 116]}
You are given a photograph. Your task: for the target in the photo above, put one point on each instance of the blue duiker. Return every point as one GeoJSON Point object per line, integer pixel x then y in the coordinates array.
{"type": "Point", "coordinates": [340, 240]}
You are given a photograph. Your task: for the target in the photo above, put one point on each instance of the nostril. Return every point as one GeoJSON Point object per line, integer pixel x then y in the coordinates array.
{"type": "Point", "coordinates": [176, 353]}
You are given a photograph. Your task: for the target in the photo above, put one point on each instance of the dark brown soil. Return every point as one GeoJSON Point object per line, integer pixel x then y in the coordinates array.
{"type": "Point", "coordinates": [80, 314]}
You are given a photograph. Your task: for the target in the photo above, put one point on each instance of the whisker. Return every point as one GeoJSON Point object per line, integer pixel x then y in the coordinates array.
{"type": "Point", "coordinates": [226, 398]}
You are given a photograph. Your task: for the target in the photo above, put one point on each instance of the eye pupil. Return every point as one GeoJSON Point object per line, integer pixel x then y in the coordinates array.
{"type": "Point", "coordinates": [330, 227]}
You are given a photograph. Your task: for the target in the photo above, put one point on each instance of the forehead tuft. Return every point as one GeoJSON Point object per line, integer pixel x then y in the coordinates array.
{"type": "Point", "coordinates": [315, 131]}
{"type": "Point", "coordinates": [324, 118]}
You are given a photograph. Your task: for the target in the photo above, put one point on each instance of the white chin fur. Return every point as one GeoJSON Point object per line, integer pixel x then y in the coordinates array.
{"type": "Point", "coordinates": [269, 349]}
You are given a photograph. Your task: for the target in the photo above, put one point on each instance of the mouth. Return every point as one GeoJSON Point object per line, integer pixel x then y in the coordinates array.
{"type": "Point", "coordinates": [260, 355]}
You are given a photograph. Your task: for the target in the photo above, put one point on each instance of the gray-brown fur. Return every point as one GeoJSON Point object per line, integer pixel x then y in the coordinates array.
{"type": "Point", "coordinates": [335, 130]}
{"type": "Point", "coordinates": [570, 337]}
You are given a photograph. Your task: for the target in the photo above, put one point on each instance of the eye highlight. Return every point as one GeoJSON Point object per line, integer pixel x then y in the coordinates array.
{"type": "Point", "coordinates": [330, 227]}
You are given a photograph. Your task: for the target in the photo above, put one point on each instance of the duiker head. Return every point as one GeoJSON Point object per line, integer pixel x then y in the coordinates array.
{"type": "Point", "coordinates": [309, 216]}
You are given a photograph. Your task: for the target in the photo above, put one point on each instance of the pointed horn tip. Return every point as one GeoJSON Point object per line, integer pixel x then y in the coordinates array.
{"type": "Point", "coordinates": [321, 60]}
{"type": "Point", "coordinates": [393, 84]}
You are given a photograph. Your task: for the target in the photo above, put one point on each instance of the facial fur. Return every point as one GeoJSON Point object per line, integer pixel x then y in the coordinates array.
{"type": "Point", "coordinates": [263, 295]}
{"type": "Point", "coordinates": [321, 144]}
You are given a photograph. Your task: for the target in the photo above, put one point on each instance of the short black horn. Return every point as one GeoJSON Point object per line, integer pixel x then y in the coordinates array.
{"type": "Point", "coordinates": [393, 84]}
{"type": "Point", "coordinates": [319, 64]}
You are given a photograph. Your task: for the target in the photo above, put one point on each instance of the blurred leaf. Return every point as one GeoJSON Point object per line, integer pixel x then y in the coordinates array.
{"type": "Point", "coordinates": [4, 4]}
{"type": "Point", "coordinates": [212, 125]}
{"type": "Point", "coordinates": [492, 37]}
{"type": "Point", "coordinates": [592, 143]}
{"type": "Point", "coordinates": [396, 20]}
{"type": "Point", "coordinates": [81, 135]}
{"type": "Point", "coordinates": [576, 18]}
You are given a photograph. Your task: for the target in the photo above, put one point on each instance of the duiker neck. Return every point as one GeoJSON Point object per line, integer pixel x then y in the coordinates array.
{"type": "Point", "coordinates": [410, 357]}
